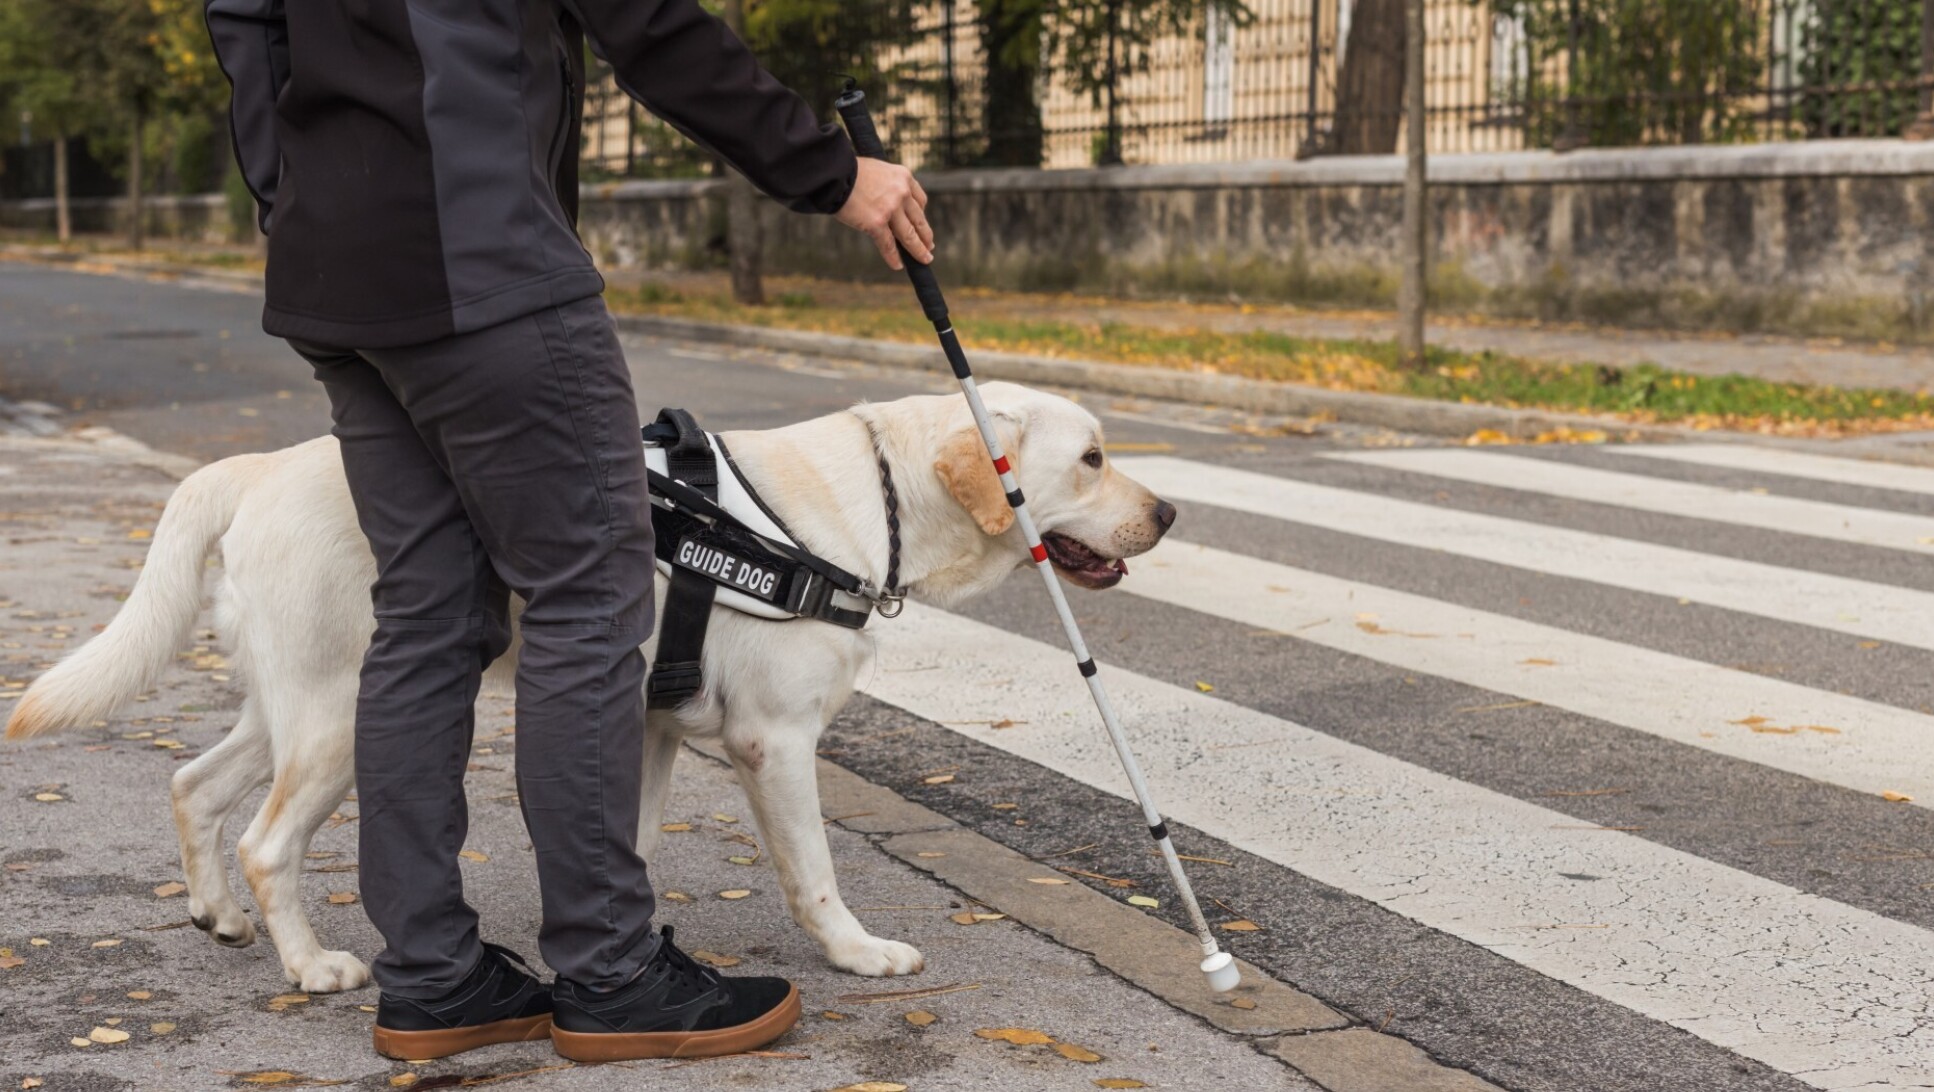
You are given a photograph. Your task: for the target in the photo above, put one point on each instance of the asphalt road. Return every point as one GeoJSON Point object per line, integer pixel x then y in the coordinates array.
{"type": "Point", "coordinates": [1571, 766]}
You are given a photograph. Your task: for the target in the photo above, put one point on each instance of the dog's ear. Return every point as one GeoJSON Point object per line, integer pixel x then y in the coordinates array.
{"type": "Point", "coordinates": [968, 475]}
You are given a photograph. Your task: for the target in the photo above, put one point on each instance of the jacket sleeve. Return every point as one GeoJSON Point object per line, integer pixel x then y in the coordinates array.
{"type": "Point", "coordinates": [251, 40]}
{"type": "Point", "coordinates": [691, 70]}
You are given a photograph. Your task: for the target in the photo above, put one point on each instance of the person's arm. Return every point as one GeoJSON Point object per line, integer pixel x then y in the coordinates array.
{"type": "Point", "coordinates": [691, 70]}
{"type": "Point", "coordinates": [251, 40]}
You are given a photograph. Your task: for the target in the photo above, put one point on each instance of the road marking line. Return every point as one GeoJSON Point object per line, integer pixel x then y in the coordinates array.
{"type": "Point", "coordinates": [1856, 744]}
{"type": "Point", "coordinates": [1792, 464]}
{"type": "Point", "coordinates": [1840, 604]}
{"type": "Point", "coordinates": [1787, 515]}
{"type": "Point", "coordinates": [1830, 993]}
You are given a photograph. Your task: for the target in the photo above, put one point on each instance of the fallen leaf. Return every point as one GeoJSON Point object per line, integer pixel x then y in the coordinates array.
{"type": "Point", "coordinates": [111, 942]}
{"type": "Point", "coordinates": [1538, 661]}
{"type": "Point", "coordinates": [403, 1080]}
{"type": "Point", "coordinates": [139, 995]}
{"type": "Point", "coordinates": [1893, 797]}
{"type": "Point", "coordinates": [1006, 807]}
{"type": "Point", "coordinates": [112, 1021]}
{"type": "Point", "coordinates": [1118, 1082]}
{"type": "Point", "coordinates": [829, 1014]}
{"type": "Point", "coordinates": [715, 959]}
{"type": "Point", "coordinates": [739, 894]}
{"type": "Point", "coordinates": [723, 818]}
{"type": "Point", "coordinates": [965, 917]}
{"type": "Point", "coordinates": [49, 797]}
{"type": "Point", "coordinates": [872, 1086]}
{"type": "Point", "coordinates": [170, 889]}
{"type": "Point", "coordinates": [1055, 880]}
{"type": "Point", "coordinates": [9, 962]}
{"type": "Point", "coordinates": [31, 1082]}
{"type": "Point", "coordinates": [988, 917]}
{"type": "Point", "coordinates": [1143, 900]}
{"type": "Point", "coordinates": [162, 1027]}
{"type": "Point", "coordinates": [79, 1042]}
{"type": "Point", "coordinates": [937, 779]}
{"type": "Point", "coordinates": [1017, 1036]}
{"type": "Point", "coordinates": [1076, 1054]}
{"type": "Point", "coordinates": [1868, 645]}
{"type": "Point", "coordinates": [108, 1035]}
{"type": "Point", "coordinates": [675, 828]}
{"type": "Point", "coordinates": [743, 860]}
{"type": "Point", "coordinates": [473, 855]}
{"type": "Point", "coordinates": [342, 898]}
{"type": "Point", "coordinates": [1243, 926]}
{"type": "Point", "coordinates": [139, 534]}
{"type": "Point", "coordinates": [920, 1018]}
{"type": "Point", "coordinates": [1206, 688]}
{"type": "Point", "coordinates": [281, 1002]}
{"type": "Point", "coordinates": [39, 942]}
{"type": "Point", "coordinates": [675, 896]}
{"type": "Point", "coordinates": [930, 854]}
{"type": "Point", "coordinates": [1243, 1003]}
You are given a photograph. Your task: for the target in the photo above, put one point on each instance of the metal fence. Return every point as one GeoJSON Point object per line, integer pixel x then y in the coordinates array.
{"type": "Point", "coordinates": [1281, 82]}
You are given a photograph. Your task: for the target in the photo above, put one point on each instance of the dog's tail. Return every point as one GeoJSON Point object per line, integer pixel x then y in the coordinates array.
{"type": "Point", "coordinates": [100, 676]}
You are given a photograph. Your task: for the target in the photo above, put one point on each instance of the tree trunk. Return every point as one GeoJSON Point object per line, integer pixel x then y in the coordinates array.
{"type": "Point", "coordinates": [1010, 36]}
{"type": "Point", "coordinates": [742, 242]}
{"type": "Point", "coordinates": [137, 234]}
{"type": "Point", "coordinates": [1370, 90]}
{"type": "Point", "coordinates": [63, 209]}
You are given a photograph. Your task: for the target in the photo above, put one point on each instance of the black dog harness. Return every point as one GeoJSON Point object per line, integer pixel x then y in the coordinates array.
{"type": "Point", "coordinates": [718, 542]}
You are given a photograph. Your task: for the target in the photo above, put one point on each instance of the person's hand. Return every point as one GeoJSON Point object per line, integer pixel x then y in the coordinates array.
{"type": "Point", "coordinates": [890, 207]}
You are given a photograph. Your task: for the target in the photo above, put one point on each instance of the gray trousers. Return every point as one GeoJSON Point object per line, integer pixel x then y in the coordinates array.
{"type": "Point", "coordinates": [504, 459]}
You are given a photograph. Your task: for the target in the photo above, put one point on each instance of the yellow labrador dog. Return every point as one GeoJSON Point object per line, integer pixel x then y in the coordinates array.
{"type": "Point", "coordinates": [293, 603]}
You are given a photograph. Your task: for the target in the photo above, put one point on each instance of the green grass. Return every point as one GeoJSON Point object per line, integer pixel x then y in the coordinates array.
{"type": "Point", "coordinates": [1643, 392]}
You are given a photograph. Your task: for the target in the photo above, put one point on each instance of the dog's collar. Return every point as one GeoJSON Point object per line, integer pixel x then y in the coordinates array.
{"type": "Point", "coordinates": [892, 597]}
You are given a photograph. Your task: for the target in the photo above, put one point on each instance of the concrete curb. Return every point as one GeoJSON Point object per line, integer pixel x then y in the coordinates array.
{"type": "Point", "coordinates": [1285, 1023]}
{"type": "Point", "coordinates": [1396, 412]}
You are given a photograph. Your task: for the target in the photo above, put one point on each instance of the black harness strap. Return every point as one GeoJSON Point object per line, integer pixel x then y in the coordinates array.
{"type": "Point", "coordinates": [675, 673]}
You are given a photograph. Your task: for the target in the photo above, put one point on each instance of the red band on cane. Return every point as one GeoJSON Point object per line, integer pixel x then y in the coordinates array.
{"type": "Point", "coordinates": [1000, 465]}
{"type": "Point", "coordinates": [1040, 553]}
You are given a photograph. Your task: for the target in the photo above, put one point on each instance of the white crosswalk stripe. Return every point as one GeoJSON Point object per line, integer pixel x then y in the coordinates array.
{"type": "Point", "coordinates": [1791, 464]}
{"type": "Point", "coordinates": [1790, 515]}
{"type": "Point", "coordinates": [1735, 959]}
{"type": "Point", "coordinates": [1814, 733]}
{"type": "Point", "coordinates": [1829, 602]}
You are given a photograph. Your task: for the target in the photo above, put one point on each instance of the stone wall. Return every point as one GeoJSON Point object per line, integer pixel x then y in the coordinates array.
{"type": "Point", "coordinates": [1826, 238]}
{"type": "Point", "coordinates": [1822, 238]}
{"type": "Point", "coordinates": [199, 217]}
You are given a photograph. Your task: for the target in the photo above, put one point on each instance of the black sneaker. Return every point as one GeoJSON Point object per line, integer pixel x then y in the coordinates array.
{"type": "Point", "coordinates": [501, 1001]}
{"type": "Point", "coordinates": [675, 1008]}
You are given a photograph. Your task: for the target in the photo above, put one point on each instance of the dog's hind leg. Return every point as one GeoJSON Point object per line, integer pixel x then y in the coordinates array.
{"type": "Point", "coordinates": [205, 792]}
{"type": "Point", "coordinates": [777, 767]}
{"type": "Point", "coordinates": [308, 786]}
{"type": "Point", "coordinates": [663, 737]}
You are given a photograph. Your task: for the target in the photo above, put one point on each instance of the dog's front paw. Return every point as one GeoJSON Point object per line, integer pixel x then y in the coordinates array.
{"type": "Point", "coordinates": [875, 957]}
{"type": "Point", "coordinates": [329, 972]}
{"type": "Point", "coordinates": [228, 924]}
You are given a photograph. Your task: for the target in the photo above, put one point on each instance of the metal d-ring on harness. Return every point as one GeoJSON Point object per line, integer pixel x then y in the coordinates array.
{"type": "Point", "coordinates": [708, 550]}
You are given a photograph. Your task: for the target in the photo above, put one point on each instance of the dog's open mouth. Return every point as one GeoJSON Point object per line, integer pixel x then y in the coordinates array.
{"type": "Point", "coordinates": [1081, 564]}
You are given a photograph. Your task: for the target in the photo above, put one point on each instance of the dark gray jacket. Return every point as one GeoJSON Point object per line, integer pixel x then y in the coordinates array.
{"type": "Point", "coordinates": [415, 161]}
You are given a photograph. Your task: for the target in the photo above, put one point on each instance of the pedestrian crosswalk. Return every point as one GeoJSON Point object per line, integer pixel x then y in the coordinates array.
{"type": "Point", "coordinates": [1831, 993]}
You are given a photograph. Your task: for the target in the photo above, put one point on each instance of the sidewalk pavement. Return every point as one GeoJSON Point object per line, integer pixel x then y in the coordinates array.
{"type": "Point", "coordinates": [95, 936]}
{"type": "Point", "coordinates": [1817, 361]}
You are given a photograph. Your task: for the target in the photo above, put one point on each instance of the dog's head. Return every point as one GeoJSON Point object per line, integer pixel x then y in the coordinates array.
{"type": "Point", "coordinates": [1090, 515]}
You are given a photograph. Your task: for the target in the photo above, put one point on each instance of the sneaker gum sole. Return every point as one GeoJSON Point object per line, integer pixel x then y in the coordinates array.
{"type": "Point", "coordinates": [618, 1046]}
{"type": "Point", "coordinates": [443, 1042]}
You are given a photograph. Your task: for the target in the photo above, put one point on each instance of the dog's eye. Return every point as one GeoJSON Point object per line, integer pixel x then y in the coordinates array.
{"type": "Point", "coordinates": [1093, 457]}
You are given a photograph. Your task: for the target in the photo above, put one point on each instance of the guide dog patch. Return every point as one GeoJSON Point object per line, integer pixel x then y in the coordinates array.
{"type": "Point", "coordinates": [712, 556]}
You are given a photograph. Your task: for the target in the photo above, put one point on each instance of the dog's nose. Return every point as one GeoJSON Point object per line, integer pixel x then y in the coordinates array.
{"type": "Point", "coordinates": [1164, 514]}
